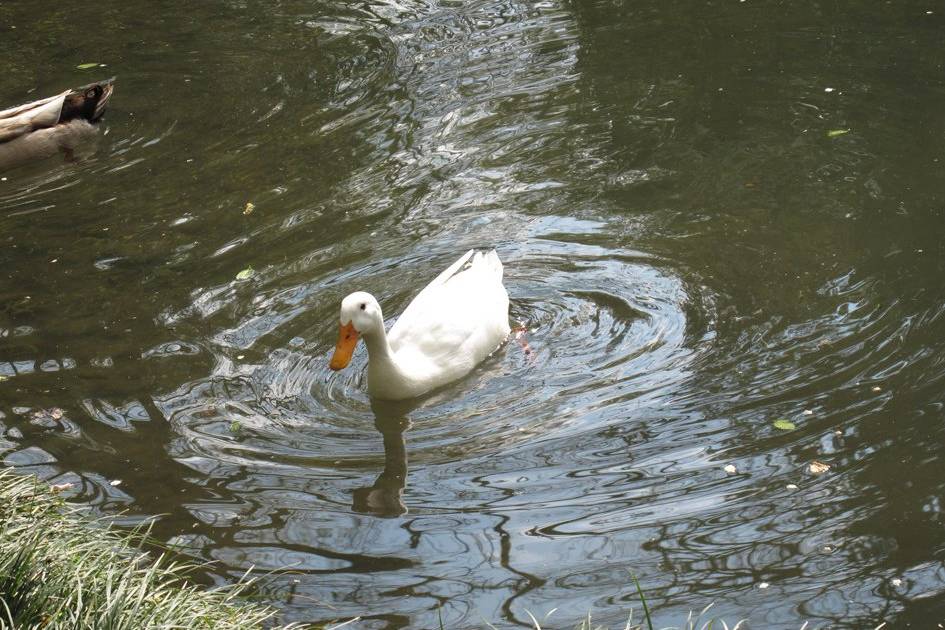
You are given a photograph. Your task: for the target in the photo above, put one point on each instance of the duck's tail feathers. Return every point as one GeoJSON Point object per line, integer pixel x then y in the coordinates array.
{"type": "Point", "coordinates": [479, 259]}
{"type": "Point", "coordinates": [490, 259]}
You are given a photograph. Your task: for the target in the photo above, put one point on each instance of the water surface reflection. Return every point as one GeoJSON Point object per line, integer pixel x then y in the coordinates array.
{"type": "Point", "coordinates": [384, 497]}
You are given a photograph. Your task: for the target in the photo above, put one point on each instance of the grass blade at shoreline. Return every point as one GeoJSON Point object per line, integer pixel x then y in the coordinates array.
{"type": "Point", "coordinates": [60, 569]}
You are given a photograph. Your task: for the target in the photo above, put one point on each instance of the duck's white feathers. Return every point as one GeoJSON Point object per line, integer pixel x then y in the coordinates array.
{"type": "Point", "coordinates": [454, 323]}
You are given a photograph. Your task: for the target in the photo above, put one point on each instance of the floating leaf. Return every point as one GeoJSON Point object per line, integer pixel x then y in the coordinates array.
{"type": "Point", "coordinates": [246, 274]}
{"type": "Point", "coordinates": [249, 208]}
{"type": "Point", "coordinates": [784, 424]}
{"type": "Point", "coordinates": [818, 468]}
{"type": "Point", "coordinates": [235, 426]}
{"type": "Point", "coordinates": [833, 133]}
{"type": "Point", "coordinates": [86, 66]}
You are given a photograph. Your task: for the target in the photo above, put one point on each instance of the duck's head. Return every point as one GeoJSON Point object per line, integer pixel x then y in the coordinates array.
{"type": "Point", "coordinates": [360, 315]}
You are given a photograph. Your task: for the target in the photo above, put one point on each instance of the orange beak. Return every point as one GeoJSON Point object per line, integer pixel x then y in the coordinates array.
{"type": "Point", "coordinates": [347, 340]}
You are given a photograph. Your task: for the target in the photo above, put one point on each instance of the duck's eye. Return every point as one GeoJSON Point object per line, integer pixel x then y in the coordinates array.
{"type": "Point", "coordinates": [363, 306]}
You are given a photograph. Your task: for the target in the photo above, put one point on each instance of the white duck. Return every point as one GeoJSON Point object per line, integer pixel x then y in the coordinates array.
{"type": "Point", "coordinates": [454, 323]}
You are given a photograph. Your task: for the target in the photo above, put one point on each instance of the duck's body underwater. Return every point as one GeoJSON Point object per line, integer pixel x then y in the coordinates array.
{"type": "Point", "coordinates": [454, 323]}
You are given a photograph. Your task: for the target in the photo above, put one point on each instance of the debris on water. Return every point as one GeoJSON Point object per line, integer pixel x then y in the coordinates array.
{"type": "Point", "coordinates": [3, 378]}
{"type": "Point", "coordinates": [784, 424]}
{"type": "Point", "coordinates": [246, 274]}
{"type": "Point", "coordinates": [239, 357]}
{"type": "Point", "coordinates": [249, 208]}
{"type": "Point", "coordinates": [730, 469]}
{"type": "Point", "coordinates": [818, 468]}
{"type": "Point", "coordinates": [520, 336]}
{"type": "Point", "coordinates": [115, 482]}
{"type": "Point", "coordinates": [235, 426]}
{"type": "Point", "coordinates": [808, 412]}
{"type": "Point", "coordinates": [46, 418]}
{"type": "Point", "coordinates": [896, 582]}
{"type": "Point", "coordinates": [833, 133]}
{"type": "Point", "coordinates": [828, 90]}
{"type": "Point", "coordinates": [86, 66]}
{"type": "Point", "coordinates": [792, 486]}
{"type": "Point", "coordinates": [61, 487]}
{"type": "Point", "coordinates": [763, 585]}
{"type": "Point", "coordinates": [876, 388]}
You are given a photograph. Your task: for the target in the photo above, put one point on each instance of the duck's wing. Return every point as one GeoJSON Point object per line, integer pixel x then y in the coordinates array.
{"type": "Point", "coordinates": [16, 121]}
{"type": "Point", "coordinates": [444, 277]}
{"type": "Point", "coordinates": [427, 298]}
{"type": "Point", "coordinates": [87, 102]}
{"type": "Point", "coordinates": [463, 303]}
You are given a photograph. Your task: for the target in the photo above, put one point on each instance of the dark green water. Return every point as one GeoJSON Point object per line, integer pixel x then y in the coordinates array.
{"type": "Point", "coordinates": [693, 251]}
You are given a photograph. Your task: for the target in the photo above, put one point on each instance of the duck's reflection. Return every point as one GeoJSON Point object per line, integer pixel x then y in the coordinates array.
{"type": "Point", "coordinates": [385, 497]}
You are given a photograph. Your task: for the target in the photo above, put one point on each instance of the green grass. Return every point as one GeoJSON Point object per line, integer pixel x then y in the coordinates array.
{"type": "Point", "coordinates": [692, 622]}
{"type": "Point", "coordinates": [59, 569]}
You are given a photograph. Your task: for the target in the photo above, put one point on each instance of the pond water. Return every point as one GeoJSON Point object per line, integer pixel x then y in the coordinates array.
{"type": "Point", "coordinates": [712, 216]}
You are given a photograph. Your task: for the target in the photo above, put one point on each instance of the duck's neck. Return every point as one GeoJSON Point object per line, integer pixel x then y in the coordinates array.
{"type": "Point", "coordinates": [380, 355]}
{"type": "Point", "coordinates": [378, 347]}
{"type": "Point", "coordinates": [387, 378]}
